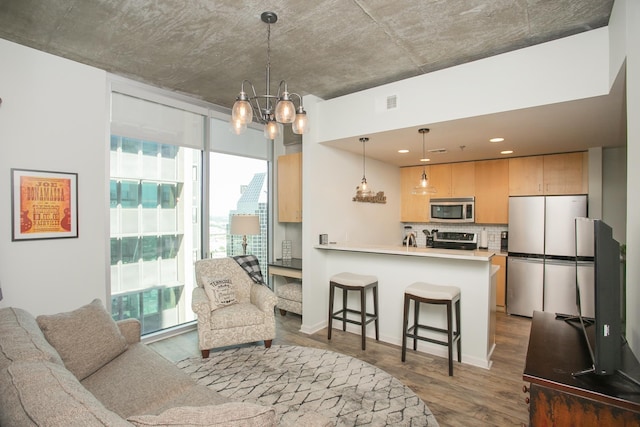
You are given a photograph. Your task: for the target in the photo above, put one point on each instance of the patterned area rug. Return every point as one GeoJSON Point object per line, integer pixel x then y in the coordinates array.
{"type": "Point", "coordinates": [296, 380]}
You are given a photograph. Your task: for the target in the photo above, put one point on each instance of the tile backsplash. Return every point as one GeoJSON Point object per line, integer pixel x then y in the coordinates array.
{"type": "Point", "coordinates": [493, 231]}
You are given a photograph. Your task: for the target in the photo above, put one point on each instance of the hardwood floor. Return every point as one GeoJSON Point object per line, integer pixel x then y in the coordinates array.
{"type": "Point", "coordinates": [472, 397]}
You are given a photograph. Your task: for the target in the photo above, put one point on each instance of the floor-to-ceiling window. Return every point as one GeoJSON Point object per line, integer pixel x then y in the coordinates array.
{"type": "Point", "coordinates": [155, 212]}
{"type": "Point", "coordinates": [238, 185]}
{"type": "Point", "coordinates": [158, 176]}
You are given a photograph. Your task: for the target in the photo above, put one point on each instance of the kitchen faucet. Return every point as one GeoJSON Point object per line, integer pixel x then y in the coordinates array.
{"type": "Point", "coordinates": [411, 239]}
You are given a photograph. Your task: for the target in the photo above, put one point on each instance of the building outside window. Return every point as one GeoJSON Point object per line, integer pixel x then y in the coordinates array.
{"type": "Point", "coordinates": [152, 231]}
{"type": "Point", "coordinates": [238, 185]}
{"type": "Point", "coordinates": [157, 233]}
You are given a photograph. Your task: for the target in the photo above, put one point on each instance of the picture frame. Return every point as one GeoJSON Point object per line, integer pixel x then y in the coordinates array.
{"type": "Point", "coordinates": [44, 205]}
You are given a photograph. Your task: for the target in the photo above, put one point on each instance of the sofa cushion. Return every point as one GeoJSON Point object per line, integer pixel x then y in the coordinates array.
{"type": "Point", "coordinates": [86, 338]}
{"type": "Point", "coordinates": [41, 393]}
{"type": "Point", "coordinates": [21, 339]}
{"type": "Point", "coordinates": [196, 395]}
{"type": "Point", "coordinates": [233, 414]}
{"type": "Point", "coordinates": [137, 381]}
{"type": "Point", "coordinates": [220, 291]}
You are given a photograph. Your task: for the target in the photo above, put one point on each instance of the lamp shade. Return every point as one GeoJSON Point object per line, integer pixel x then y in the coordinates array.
{"type": "Point", "coordinates": [245, 224]}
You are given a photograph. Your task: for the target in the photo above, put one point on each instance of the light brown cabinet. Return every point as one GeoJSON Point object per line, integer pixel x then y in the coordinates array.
{"type": "Point", "coordinates": [492, 191]}
{"type": "Point", "coordinates": [566, 173]}
{"type": "Point", "coordinates": [453, 179]}
{"type": "Point", "coordinates": [413, 208]}
{"type": "Point", "coordinates": [290, 188]}
{"type": "Point", "coordinates": [493, 181]}
{"type": "Point", "coordinates": [525, 176]}
{"type": "Point", "coordinates": [552, 174]}
{"type": "Point", "coordinates": [440, 176]}
{"type": "Point", "coordinates": [501, 280]}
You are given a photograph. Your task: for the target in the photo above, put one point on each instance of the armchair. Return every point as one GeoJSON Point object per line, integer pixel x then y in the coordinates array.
{"type": "Point", "coordinates": [250, 319]}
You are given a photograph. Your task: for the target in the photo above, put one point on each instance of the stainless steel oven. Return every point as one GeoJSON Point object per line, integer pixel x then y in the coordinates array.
{"type": "Point", "coordinates": [460, 209]}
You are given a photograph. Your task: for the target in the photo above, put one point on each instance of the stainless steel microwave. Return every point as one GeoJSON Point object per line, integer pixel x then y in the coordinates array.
{"type": "Point", "coordinates": [460, 209]}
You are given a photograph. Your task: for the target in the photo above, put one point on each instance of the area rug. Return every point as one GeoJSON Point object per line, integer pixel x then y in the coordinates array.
{"type": "Point", "coordinates": [296, 380]}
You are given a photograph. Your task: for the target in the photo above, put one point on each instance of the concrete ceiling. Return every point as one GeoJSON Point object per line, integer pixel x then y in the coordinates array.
{"type": "Point", "coordinates": [327, 48]}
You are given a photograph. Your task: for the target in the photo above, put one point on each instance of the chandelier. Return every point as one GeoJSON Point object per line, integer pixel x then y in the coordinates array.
{"type": "Point", "coordinates": [270, 110]}
{"type": "Point", "coordinates": [423, 188]}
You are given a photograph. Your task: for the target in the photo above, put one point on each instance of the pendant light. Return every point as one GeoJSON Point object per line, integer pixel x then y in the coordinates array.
{"type": "Point", "coordinates": [364, 189]}
{"type": "Point", "coordinates": [423, 188]}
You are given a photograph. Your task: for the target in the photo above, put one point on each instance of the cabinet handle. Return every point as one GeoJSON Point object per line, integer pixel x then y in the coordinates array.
{"type": "Point", "coordinates": [525, 389]}
{"type": "Point", "coordinates": [526, 400]}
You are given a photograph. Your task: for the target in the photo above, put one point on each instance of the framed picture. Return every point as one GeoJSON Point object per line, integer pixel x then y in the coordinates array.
{"type": "Point", "coordinates": [44, 205]}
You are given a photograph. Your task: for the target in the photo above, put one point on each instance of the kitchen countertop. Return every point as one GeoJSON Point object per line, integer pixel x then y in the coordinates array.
{"type": "Point", "coordinates": [475, 255]}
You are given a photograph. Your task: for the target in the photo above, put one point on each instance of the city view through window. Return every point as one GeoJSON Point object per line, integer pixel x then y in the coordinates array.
{"type": "Point", "coordinates": [156, 224]}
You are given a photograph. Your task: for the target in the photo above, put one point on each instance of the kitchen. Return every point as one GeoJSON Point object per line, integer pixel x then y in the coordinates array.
{"type": "Point", "coordinates": [330, 174]}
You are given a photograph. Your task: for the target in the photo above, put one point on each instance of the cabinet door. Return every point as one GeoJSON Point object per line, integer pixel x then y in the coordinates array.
{"type": "Point", "coordinates": [566, 173]}
{"type": "Point", "coordinates": [492, 191]}
{"type": "Point", "coordinates": [440, 177]}
{"type": "Point", "coordinates": [463, 179]}
{"type": "Point", "coordinates": [290, 188]}
{"type": "Point", "coordinates": [501, 280]}
{"type": "Point", "coordinates": [526, 176]}
{"type": "Point", "coordinates": [413, 207]}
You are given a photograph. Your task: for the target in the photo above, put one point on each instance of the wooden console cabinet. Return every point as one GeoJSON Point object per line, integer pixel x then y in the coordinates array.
{"type": "Point", "coordinates": [557, 398]}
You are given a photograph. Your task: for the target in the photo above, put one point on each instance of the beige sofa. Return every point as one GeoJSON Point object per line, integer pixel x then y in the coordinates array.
{"type": "Point", "coordinates": [83, 369]}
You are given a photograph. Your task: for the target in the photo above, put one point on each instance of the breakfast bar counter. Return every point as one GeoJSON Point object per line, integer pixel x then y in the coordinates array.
{"type": "Point", "coordinates": [397, 267]}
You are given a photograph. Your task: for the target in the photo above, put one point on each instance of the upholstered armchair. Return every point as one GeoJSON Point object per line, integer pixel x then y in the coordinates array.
{"type": "Point", "coordinates": [231, 307]}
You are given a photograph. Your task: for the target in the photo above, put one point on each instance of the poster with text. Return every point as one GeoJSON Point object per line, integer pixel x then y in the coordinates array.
{"type": "Point", "coordinates": [44, 204]}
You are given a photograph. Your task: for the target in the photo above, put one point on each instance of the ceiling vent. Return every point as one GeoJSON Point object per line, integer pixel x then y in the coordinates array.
{"type": "Point", "coordinates": [392, 102]}
{"type": "Point", "coordinates": [438, 150]}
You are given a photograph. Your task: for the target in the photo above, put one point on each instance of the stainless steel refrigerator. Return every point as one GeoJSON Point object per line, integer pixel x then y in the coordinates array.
{"type": "Point", "coordinates": [542, 257]}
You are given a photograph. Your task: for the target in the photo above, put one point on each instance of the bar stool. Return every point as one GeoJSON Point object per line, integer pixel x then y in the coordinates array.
{"type": "Point", "coordinates": [427, 293]}
{"type": "Point", "coordinates": [354, 282]}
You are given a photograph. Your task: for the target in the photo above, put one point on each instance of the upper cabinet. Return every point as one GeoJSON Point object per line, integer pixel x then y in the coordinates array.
{"type": "Point", "coordinates": [290, 188]}
{"type": "Point", "coordinates": [463, 179]}
{"type": "Point", "coordinates": [413, 208]}
{"type": "Point", "coordinates": [553, 174]}
{"type": "Point", "coordinates": [453, 179]}
{"type": "Point", "coordinates": [566, 173]}
{"type": "Point", "coordinates": [525, 176]}
{"type": "Point", "coordinates": [492, 191]}
{"type": "Point", "coordinates": [493, 181]}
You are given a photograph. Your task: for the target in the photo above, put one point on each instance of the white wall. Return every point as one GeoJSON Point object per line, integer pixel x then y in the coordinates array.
{"type": "Point", "coordinates": [54, 117]}
{"type": "Point", "coordinates": [625, 44]}
{"type": "Point", "coordinates": [572, 68]}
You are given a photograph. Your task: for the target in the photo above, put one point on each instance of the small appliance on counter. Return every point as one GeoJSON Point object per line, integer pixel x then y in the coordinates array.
{"type": "Point", "coordinates": [430, 235]}
{"type": "Point", "coordinates": [504, 241]}
{"type": "Point", "coordinates": [455, 240]}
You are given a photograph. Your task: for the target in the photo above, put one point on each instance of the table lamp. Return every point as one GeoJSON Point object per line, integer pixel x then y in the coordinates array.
{"type": "Point", "coordinates": [245, 224]}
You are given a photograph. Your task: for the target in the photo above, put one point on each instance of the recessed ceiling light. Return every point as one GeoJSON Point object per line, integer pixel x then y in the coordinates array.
{"type": "Point", "coordinates": [507, 152]}
{"type": "Point", "coordinates": [425, 160]}
{"type": "Point", "coordinates": [403, 151]}
{"type": "Point", "coordinates": [496, 140]}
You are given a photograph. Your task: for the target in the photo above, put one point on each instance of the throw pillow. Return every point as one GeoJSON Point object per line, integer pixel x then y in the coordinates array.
{"type": "Point", "coordinates": [232, 414]}
{"type": "Point", "coordinates": [86, 338]}
{"type": "Point", "coordinates": [220, 292]}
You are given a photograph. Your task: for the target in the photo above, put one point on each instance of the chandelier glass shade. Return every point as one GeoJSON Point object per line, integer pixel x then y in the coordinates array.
{"type": "Point", "coordinates": [364, 189]}
{"type": "Point", "coordinates": [270, 110]}
{"type": "Point", "coordinates": [424, 187]}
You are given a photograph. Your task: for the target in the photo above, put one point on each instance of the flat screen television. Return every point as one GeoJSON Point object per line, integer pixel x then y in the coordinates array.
{"type": "Point", "coordinates": [602, 327]}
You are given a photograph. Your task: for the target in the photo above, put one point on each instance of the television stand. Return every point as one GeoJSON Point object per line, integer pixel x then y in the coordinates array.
{"type": "Point", "coordinates": [557, 397]}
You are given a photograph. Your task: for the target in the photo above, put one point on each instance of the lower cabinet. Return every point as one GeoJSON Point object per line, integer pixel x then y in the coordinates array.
{"type": "Point", "coordinates": [501, 280]}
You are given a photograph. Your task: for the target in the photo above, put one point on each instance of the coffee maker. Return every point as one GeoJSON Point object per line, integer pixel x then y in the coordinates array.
{"type": "Point", "coordinates": [504, 241]}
